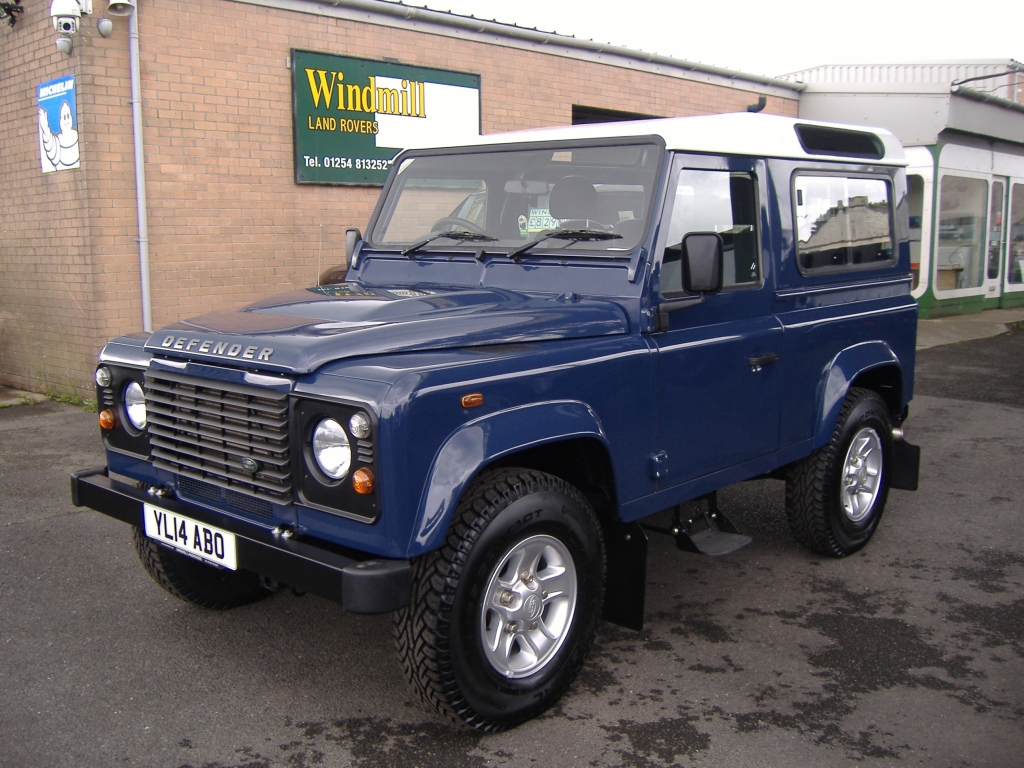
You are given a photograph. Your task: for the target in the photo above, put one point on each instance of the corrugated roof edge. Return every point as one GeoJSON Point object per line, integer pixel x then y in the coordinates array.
{"type": "Point", "coordinates": [738, 133]}
{"type": "Point", "coordinates": [811, 74]}
{"type": "Point", "coordinates": [402, 12]}
{"type": "Point", "coordinates": [988, 98]}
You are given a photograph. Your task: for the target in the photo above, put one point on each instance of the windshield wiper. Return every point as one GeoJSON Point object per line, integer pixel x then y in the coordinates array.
{"type": "Point", "coordinates": [453, 234]}
{"type": "Point", "coordinates": [575, 235]}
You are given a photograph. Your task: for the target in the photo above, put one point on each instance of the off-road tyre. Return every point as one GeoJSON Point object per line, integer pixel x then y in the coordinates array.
{"type": "Point", "coordinates": [439, 637]}
{"type": "Point", "coordinates": [194, 582]}
{"type": "Point", "coordinates": [814, 485]}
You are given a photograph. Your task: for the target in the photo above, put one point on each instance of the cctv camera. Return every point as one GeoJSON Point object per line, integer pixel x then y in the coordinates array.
{"type": "Point", "coordinates": [66, 25]}
{"type": "Point", "coordinates": [66, 14]}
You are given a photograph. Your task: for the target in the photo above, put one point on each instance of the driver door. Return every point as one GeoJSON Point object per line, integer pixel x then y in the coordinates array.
{"type": "Point", "coordinates": [719, 365]}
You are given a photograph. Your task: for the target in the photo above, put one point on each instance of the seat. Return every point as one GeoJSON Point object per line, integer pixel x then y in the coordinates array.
{"type": "Point", "coordinates": [574, 201]}
{"type": "Point", "coordinates": [631, 230]}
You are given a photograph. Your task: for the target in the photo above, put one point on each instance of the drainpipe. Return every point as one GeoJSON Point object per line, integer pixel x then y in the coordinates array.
{"type": "Point", "coordinates": [140, 170]}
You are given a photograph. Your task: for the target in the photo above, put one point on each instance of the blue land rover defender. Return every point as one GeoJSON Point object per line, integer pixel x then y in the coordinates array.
{"type": "Point", "coordinates": [544, 339]}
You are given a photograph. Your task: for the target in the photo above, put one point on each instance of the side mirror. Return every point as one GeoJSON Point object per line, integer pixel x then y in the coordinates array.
{"type": "Point", "coordinates": [352, 238]}
{"type": "Point", "coordinates": [702, 258]}
{"type": "Point", "coordinates": [337, 274]}
{"type": "Point", "coordinates": [702, 262]}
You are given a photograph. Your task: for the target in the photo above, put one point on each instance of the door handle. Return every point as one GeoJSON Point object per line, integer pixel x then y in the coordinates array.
{"type": "Point", "coordinates": [756, 363]}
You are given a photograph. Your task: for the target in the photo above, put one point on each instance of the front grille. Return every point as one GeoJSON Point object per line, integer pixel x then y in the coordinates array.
{"type": "Point", "coordinates": [243, 503]}
{"type": "Point", "coordinates": [202, 429]}
{"type": "Point", "coordinates": [197, 489]}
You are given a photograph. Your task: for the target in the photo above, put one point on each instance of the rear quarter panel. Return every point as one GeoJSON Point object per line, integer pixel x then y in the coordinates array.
{"type": "Point", "coordinates": [840, 324]}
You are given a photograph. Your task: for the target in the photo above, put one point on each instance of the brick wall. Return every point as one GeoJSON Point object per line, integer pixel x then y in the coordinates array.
{"type": "Point", "coordinates": [46, 268]}
{"type": "Point", "coordinates": [227, 223]}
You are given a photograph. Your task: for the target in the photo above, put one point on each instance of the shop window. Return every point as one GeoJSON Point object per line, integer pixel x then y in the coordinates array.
{"type": "Point", "coordinates": [960, 258]}
{"type": "Point", "coordinates": [1016, 265]}
{"type": "Point", "coordinates": [915, 198]}
{"type": "Point", "coordinates": [715, 201]}
{"type": "Point", "coordinates": [996, 233]}
{"type": "Point", "coordinates": [842, 223]}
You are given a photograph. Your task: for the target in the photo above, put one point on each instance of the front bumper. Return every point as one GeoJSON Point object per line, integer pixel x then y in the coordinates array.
{"type": "Point", "coordinates": [360, 582]}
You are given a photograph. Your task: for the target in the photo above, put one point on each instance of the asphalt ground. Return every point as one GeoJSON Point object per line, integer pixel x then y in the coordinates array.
{"type": "Point", "coordinates": [908, 653]}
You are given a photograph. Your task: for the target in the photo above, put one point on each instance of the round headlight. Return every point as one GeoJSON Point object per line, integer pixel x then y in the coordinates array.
{"type": "Point", "coordinates": [331, 449]}
{"type": "Point", "coordinates": [103, 377]}
{"type": "Point", "coordinates": [135, 405]}
{"type": "Point", "coordinates": [359, 426]}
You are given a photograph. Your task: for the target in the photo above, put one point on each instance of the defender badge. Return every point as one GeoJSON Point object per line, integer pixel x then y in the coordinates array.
{"type": "Point", "coordinates": [219, 348]}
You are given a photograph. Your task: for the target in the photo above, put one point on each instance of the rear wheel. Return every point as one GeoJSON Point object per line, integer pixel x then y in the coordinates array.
{"type": "Point", "coordinates": [502, 615]}
{"type": "Point", "coordinates": [194, 582]}
{"type": "Point", "coordinates": [836, 496]}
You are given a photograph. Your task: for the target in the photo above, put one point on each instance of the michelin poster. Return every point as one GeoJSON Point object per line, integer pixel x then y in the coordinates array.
{"type": "Point", "coordinates": [58, 125]}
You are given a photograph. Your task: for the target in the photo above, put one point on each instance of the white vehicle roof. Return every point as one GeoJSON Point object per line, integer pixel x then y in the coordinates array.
{"type": "Point", "coordinates": [740, 133]}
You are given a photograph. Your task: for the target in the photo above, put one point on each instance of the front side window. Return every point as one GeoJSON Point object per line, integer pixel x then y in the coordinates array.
{"type": "Point", "coordinates": [714, 201]}
{"type": "Point", "coordinates": [512, 197]}
{"type": "Point", "coordinates": [842, 222]}
{"type": "Point", "coordinates": [961, 255]}
{"type": "Point", "coordinates": [1016, 265]}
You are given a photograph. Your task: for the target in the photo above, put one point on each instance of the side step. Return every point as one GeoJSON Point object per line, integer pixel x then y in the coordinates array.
{"type": "Point", "coordinates": [711, 542]}
{"type": "Point", "coordinates": [711, 534]}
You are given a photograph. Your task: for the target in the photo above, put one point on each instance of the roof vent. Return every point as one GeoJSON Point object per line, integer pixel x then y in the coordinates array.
{"type": "Point", "coordinates": [822, 140]}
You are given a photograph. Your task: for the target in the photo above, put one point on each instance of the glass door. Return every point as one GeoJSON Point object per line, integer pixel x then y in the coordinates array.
{"type": "Point", "coordinates": [961, 255]}
{"type": "Point", "coordinates": [1015, 232]}
{"type": "Point", "coordinates": [915, 198]}
{"type": "Point", "coordinates": [996, 238]}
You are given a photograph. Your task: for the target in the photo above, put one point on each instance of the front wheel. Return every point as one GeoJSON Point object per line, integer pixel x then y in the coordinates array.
{"type": "Point", "coordinates": [836, 496]}
{"type": "Point", "coordinates": [502, 615]}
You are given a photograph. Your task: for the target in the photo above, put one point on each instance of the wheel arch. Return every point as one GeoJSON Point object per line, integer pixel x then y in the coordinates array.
{"type": "Point", "coordinates": [872, 365]}
{"type": "Point", "coordinates": [564, 438]}
{"type": "Point", "coordinates": [585, 462]}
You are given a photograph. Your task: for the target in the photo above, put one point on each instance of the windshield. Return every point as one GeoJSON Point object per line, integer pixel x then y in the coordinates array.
{"type": "Point", "coordinates": [512, 197]}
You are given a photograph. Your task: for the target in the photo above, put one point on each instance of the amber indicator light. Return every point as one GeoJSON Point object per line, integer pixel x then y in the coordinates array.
{"type": "Point", "coordinates": [362, 481]}
{"type": "Point", "coordinates": [472, 401]}
{"type": "Point", "coordinates": [107, 420]}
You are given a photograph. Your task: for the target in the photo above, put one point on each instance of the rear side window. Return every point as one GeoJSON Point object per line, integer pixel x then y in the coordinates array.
{"type": "Point", "coordinates": [843, 222]}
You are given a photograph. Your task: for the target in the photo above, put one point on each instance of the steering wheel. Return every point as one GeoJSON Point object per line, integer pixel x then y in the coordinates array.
{"type": "Point", "coordinates": [453, 222]}
{"type": "Point", "coordinates": [584, 224]}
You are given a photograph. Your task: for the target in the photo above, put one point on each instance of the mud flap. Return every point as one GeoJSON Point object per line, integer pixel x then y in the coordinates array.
{"type": "Point", "coordinates": [906, 465]}
{"type": "Point", "coordinates": [626, 577]}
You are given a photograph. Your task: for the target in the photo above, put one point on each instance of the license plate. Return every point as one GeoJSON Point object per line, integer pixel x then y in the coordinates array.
{"type": "Point", "coordinates": [191, 537]}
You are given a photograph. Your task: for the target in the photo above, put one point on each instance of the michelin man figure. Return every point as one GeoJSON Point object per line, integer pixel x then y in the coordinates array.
{"type": "Point", "coordinates": [60, 149]}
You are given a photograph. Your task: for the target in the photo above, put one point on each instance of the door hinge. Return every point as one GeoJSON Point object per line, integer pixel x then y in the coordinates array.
{"type": "Point", "coordinates": [658, 464]}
